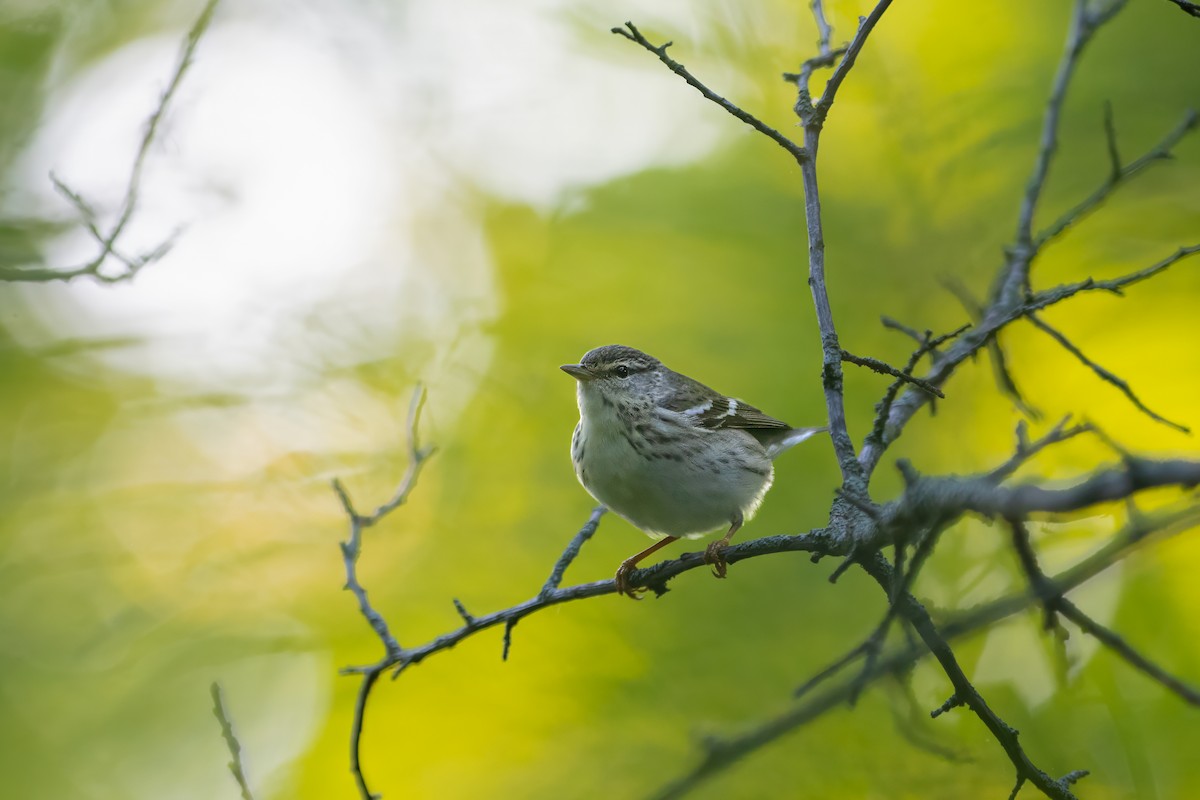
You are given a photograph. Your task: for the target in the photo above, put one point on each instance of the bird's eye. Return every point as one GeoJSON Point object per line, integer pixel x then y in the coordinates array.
{"type": "Point", "coordinates": [622, 371]}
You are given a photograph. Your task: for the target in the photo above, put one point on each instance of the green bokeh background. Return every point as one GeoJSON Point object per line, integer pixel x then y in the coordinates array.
{"type": "Point", "coordinates": [125, 596]}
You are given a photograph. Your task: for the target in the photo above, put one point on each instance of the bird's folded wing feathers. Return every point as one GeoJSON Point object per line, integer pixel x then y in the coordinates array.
{"type": "Point", "coordinates": [708, 409]}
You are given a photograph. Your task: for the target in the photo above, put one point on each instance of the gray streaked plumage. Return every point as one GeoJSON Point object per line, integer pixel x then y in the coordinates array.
{"type": "Point", "coordinates": [668, 453]}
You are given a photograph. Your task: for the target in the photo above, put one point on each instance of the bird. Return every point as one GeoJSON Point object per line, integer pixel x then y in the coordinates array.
{"type": "Point", "coordinates": [668, 454]}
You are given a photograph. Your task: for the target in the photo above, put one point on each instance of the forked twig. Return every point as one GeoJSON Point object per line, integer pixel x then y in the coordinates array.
{"type": "Point", "coordinates": [129, 202]}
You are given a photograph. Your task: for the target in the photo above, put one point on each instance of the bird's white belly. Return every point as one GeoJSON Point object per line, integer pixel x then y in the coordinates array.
{"type": "Point", "coordinates": [698, 491]}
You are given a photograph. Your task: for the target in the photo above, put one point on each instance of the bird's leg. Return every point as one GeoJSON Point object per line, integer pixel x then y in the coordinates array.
{"type": "Point", "coordinates": [715, 552]}
{"type": "Point", "coordinates": [630, 564]}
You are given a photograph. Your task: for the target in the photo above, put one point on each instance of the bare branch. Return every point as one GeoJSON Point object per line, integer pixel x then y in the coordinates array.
{"type": "Point", "coordinates": [654, 577]}
{"type": "Point", "coordinates": [937, 643]}
{"type": "Point", "coordinates": [356, 729]}
{"type": "Point", "coordinates": [952, 702]}
{"type": "Point", "coordinates": [825, 58]}
{"type": "Point", "coordinates": [573, 548]}
{"type": "Point", "coordinates": [1103, 373]}
{"type": "Point", "coordinates": [634, 35]}
{"type": "Point", "coordinates": [1077, 35]}
{"type": "Point", "coordinates": [969, 495]}
{"type": "Point", "coordinates": [928, 343]}
{"type": "Point", "coordinates": [995, 320]}
{"type": "Point", "coordinates": [1188, 7]}
{"type": "Point", "coordinates": [1118, 174]}
{"type": "Point", "coordinates": [929, 495]}
{"type": "Point", "coordinates": [351, 549]}
{"type": "Point", "coordinates": [884, 368]}
{"type": "Point", "coordinates": [1116, 286]}
{"type": "Point", "coordinates": [865, 26]}
{"type": "Point", "coordinates": [231, 741]}
{"type": "Point", "coordinates": [858, 528]}
{"type": "Point", "coordinates": [1026, 449]}
{"type": "Point", "coordinates": [129, 202]}
{"type": "Point", "coordinates": [725, 753]}
{"type": "Point", "coordinates": [1123, 649]}
{"type": "Point", "coordinates": [824, 32]}
{"type": "Point", "coordinates": [1084, 23]}
{"type": "Point", "coordinates": [1055, 604]}
{"type": "Point", "coordinates": [1005, 381]}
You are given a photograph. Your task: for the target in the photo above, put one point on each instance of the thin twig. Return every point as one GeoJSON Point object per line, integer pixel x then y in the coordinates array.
{"type": "Point", "coordinates": [129, 202]}
{"type": "Point", "coordinates": [927, 343]}
{"type": "Point", "coordinates": [1118, 174]}
{"type": "Point", "coordinates": [1038, 583]}
{"type": "Point", "coordinates": [1026, 449]}
{"type": "Point", "coordinates": [995, 320]}
{"type": "Point", "coordinates": [631, 33]}
{"type": "Point", "coordinates": [825, 58]}
{"type": "Point", "coordinates": [1054, 603]}
{"type": "Point", "coordinates": [1188, 7]}
{"type": "Point", "coordinates": [1084, 23]}
{"type": "Point", "coordinates": [908, 331]}
{"type": "Point", "coordinates": [883, 368]}
{"type": "Point", "coordinates": [1102, 373]}
{"type": "Point", "coordinates": [812, 117]}
{"type": "Point", "coordinates": [865, 26]}
{"type": "Point", "coordinates": [1005, 381]}
{"type": "Point", "coordinates": [1126, 651]}
{"type": "Point", "coordinates": [824, 32]}
{"type": "Point", "coordinates": [369, 679]}
{"type": "Point", "coordinates": [572, 550]}
{"type": "Point", "coordinates": [938, 644]}
{"type": "Point", "coordinates": [351, 550]}
{"type": "Point", "coordinates": [236, 768]}
{"type": "Point", "coordinates": [952, 702]}
{"type": "Point", "coordinates": [1117, 286]}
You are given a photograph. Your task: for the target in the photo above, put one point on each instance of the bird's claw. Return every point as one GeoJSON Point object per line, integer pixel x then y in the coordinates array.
{"type": "Point", "coordinates": [622, 581]}
{"type": "Point", "coordinates": [714, 555]}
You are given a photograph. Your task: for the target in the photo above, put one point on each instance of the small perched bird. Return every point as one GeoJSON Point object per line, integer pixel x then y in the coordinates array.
{"type": "Point", "coordinates": [669, 454]}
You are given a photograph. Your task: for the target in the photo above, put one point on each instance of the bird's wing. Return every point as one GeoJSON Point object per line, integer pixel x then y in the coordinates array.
{"type": "Point", "coordinates": [709, 409]}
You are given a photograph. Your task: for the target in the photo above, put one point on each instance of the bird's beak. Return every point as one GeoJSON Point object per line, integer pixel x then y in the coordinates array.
{"type": "Point", "coordinates": [577, 371]}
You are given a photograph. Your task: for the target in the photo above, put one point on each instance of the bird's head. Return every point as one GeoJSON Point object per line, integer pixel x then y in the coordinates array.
{"type": "Point", "coordinates": [617, 373]}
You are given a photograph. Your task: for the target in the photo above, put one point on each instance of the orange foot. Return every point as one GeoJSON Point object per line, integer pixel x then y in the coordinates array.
{"type": "Point", "coordinates": [622, 581]}
{"type": "Point", "coordinates": [714, 554]}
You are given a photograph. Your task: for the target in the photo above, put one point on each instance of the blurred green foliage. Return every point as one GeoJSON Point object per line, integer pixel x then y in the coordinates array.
{"type": "Point", "coordinates": [142, 558]}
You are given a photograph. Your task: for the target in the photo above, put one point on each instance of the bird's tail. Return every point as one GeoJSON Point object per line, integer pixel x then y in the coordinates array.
{"type": "Point", "coordinates": [789, 439]}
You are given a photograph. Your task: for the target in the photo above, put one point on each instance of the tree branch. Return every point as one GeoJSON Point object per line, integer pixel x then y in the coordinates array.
{"type": "Point", "coordinates": [351, 549]}
{"type": "Point", "coordinates": [812, 116]}
{"type": "Point", "coordinates": [1084, 24]}
{"type": "Point", "coordinates": [573, 548]}
{"type": "Point", "coordinates": [231, 741]}
{"type": "Point", "coordinates": [1118, 175]}
{"type": "Point", "coordinates": [721, 754]}
{"type": "Point", "coordinates": [993, 321]}
{"type": "Point", "coordinates": [129, 202]}
{"type": "Point", "coordinates": [1103, 374]}
{"type": "Point", "coordinates": [631, 33]}
{"type": "Point", "coordinates": [1188, 7]}
{"type": "Point", "coordinates": [883, 368]}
